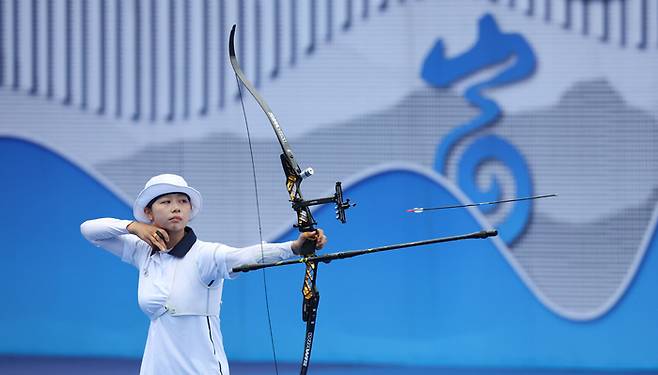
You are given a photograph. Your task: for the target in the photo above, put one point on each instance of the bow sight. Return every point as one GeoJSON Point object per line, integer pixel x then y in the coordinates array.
{"type": "Point", "coordinates": [337, 198]}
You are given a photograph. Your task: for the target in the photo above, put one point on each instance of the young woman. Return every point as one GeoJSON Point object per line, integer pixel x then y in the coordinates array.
{"type": "Point", "coordinates": [180, 277]}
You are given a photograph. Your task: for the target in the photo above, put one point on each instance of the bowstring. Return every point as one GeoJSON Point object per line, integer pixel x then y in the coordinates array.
{"type": "Point", "coordinates": [260, 227]}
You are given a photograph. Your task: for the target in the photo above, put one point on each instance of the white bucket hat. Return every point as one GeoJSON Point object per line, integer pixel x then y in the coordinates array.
{"type": "Point", "coordinates": [165, 184]}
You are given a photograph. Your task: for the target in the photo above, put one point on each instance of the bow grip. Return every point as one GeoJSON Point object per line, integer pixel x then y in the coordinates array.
{"type": "Point", "coordinates": [308, 248]}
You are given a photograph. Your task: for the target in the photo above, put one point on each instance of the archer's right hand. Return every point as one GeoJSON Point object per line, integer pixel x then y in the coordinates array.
{"type": "Point", "coordinates": [152, 235]}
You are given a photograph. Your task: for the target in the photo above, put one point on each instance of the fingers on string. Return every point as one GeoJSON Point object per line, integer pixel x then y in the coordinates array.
{"type": "Point", "coordinates": [163, 235]}
{"type": "Point", "coordinates": [158, 241]}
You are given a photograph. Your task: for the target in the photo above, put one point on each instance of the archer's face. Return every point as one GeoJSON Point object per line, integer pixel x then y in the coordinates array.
{"type": "Point", "coordinates": [170, 212]}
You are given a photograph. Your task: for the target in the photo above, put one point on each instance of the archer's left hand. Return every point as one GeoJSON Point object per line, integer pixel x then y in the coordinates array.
{"type": "Point", "coordinates": [317, 236]}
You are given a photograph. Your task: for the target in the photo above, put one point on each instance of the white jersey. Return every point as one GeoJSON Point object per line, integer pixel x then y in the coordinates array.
{"type": "Point", "coordinates": [181, 294]}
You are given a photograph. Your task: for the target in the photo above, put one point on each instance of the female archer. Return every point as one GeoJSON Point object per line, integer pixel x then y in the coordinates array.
{"type": "Point", "coordinates": [180, 277]}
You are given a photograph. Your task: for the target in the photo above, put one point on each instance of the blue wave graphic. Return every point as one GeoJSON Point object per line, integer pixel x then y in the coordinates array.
{"type": "Point", "coordinates": [60, 294]}
{"type": "Point", "coordinates": [461, 303]}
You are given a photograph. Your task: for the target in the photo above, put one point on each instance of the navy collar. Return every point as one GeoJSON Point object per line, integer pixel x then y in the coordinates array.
{"type": "Point", "coordinates": [183, 246]}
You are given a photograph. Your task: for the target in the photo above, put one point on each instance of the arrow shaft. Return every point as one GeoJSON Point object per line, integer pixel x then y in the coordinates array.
{"type": "Point", "coordinates": [422, 209]}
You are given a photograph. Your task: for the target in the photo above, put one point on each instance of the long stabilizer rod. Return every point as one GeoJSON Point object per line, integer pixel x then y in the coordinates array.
{"type": "Point", "coordinates": [352, 253]}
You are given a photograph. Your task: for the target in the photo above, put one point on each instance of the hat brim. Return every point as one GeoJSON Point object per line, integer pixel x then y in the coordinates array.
{"type": "Point", "coordinates": [153, 191]}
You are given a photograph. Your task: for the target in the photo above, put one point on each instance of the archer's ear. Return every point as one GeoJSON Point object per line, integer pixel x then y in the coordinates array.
{"type": "Point", "coordinates": [149, 213]}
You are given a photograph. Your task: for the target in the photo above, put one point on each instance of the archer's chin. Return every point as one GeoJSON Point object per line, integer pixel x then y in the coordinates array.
{"type": "Point", "coordinates": [174, 226]}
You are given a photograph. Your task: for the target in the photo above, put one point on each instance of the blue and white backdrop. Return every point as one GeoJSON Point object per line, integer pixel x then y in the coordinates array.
{"type": "Point", "coordinates": [410, 104]}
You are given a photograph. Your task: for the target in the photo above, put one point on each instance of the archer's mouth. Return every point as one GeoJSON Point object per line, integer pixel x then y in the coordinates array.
{"type": "Point", "coordinates": [176, 219]}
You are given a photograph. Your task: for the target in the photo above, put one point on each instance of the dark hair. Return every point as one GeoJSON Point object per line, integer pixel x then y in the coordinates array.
{"type": "Point", "coordinates": [173, 192]}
